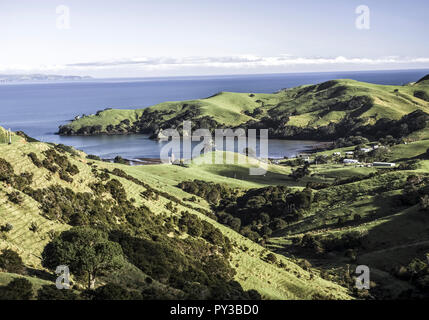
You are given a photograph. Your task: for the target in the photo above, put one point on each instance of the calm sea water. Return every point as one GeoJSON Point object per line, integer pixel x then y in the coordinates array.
{"type": "Point", "coordinates": [39, 108]}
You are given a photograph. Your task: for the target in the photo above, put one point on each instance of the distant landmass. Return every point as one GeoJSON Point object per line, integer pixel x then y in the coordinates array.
{"type": "Point", "coordinates": [330, 110]}
{"type": "Point", "coordinates": [5, 78]}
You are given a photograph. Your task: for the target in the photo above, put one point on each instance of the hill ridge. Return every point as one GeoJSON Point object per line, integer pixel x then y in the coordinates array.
{"type": "Point", "coordinates": [288, 113]}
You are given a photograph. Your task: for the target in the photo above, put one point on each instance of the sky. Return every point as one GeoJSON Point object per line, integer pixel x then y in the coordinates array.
{"type": "Point", "coordinates": [139, 38]}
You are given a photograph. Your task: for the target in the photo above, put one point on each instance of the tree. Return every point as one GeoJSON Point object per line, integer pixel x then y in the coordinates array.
{"type": "Point", "coordinates": [301, 172]}
{"type": "Point", "coordinates": [51, 292]}
{"type": "Point", "coordinates": [113, 291]}
{"type": "Point", "coordinates": [10, 261]}
{"type": "Point", "coordinates": [271, 258]}
{"type": "Point", "coordinates": [278, 224]}
{"type": "Point", "coordinates": [17, 289]}
{"type": "Point", "coordinates": [235, 224]}
{"type": "Point", "coordinates": [87, 252]}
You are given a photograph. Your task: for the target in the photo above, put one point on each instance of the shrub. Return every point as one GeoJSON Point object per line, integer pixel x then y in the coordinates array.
{"type": "Point", "coordinates": [6, 170]}
{"type": "Point", "coordinates": [6, 228]}
{"type": "Point", "coordinates": [72, 169]}
{"type": "Point", "coordinates": [421, 95]}
{"type": "Point", "coordinates": [193, 224]}
{"type": "Point", "coordinates": [119, 159]}
{"type": "Point", "coordinates": [10, 261]}
{"type": "Point", "coordinates": [17, 289]}
{"type": "Point", "coordinates": [65, 176]}
{"type": "Point", "coordinates": [115, 292]}
{"type": "Point", "coordinates": [48, 165]}
{"type": "Point", "coordinates": [93, 157]}
{"type": "Point", "coordinates": [51, 292]}
{"type": "Point", "coordinates": [63, 148]}
{"type": "Point", "coordinates": [34, 227]}
{"type": "Point", "coordinates": [15, 197]}
{"type": "Point", "coordinates": [35, 160]}
{"type": "Point", "coordinates": [271, 258]}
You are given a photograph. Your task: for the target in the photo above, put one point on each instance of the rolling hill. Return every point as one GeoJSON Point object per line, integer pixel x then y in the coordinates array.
{"type": "Point", "coordinates": [323, 109]}
{"type": "Point", "coordinates": [297, 232]}
{"type": "Point", "coordinates": [34, 222]}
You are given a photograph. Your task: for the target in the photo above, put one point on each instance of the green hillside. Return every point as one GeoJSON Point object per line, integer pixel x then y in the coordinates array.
{"type": "Point", "coordinates": [296, 112]}
{"type": "Point", "coordinates": [356, 215]}
{"type": "Point", "coordinates": [211, 230]}
{"type": "Point", "coordinates": [34, 224]}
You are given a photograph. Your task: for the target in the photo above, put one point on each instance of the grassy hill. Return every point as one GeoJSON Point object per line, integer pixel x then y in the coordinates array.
{"type": "Point", "coordinates": [296, 232]}
{"type": "Point", "coordinates": [284, 279]}
{"type": "Point", "coordinates": [359, 215]}
{"type": "Point", "coordinates": [286, 112]}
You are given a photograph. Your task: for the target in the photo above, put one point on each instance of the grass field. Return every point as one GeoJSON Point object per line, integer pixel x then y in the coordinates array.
{"type": "Point", "coordinates": [272, 281]}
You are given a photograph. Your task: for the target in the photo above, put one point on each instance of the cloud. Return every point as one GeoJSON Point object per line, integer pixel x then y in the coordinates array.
{"type": "Point", "coordinates": [223, 62]}
{"type": "Point", "coordinates": [248, 61]}
{"type": "Point", "coordinates": [165, 61]}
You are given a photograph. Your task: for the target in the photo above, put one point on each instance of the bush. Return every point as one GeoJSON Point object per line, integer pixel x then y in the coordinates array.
{"type": "Point", "coordinates": [271, 258]}
{"type": "Point", "coordinates": [35, 160]}
{"type": "Point", "coordinates": [93, 157]}
{"type": "Point", "coordinates": [63, 148]}
{"type": "Point", "coordinates": [119, 159]}
{"type": "Point", "coordinates": [51, 292]}
{"type": "Point", "coordinates": [193, 224]}
{"type": "Point", "coordinates": [421, 95]}
{"type": "Point", "coordinates": [115, 292]}
{"type": "Point", "coordinates": [15, 197]}
{"type": "Point", "coordinates": [6, 228]}
{"type": "Point", "coordinates": [10, 261]}
{"type": "Point", "coordinates": [17, 289]}
{"type": "Point", "coordinates": [72, 169]}
{"type": "Point", "coordinates": [34, 227]}
{"type": "Point", "coordinates": [65, 176]}
{"type": "Point", "coordinates": [48, 165]}
{"type": "Point", "coordinates": [6, 170]}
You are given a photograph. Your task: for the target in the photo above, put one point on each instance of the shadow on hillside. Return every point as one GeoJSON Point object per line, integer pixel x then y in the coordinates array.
{"type": "Point", "coordinates": [418, 157]}
{"type": "Point", "coordinates": [41, 274]}
{"type": "Point", "coordinates": [269, 178]}
{"type": "Point", "coordinates": [398, 240]}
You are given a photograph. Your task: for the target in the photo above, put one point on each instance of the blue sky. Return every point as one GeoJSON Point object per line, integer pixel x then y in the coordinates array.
{"type": "Point", "coordinates": [130, 38]}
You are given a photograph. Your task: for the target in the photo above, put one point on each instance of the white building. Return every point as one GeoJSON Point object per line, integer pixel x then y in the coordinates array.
{"type": "Point", "coordinates": [337, 153]}
{"type": "Point", "coordinates": [349, 153]}
{"type": "Point", "coordinates": [366, 150]}
{"type": "Point", "coordinates": [350, 161]}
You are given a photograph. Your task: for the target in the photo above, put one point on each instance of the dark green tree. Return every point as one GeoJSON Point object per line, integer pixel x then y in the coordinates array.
{"type": "Point", "coordinates": [10, 261]}
{"type": "Point", "coordinates": [113, 291]}
{"type": "Point", "coordinates": [17, 289]}
{"type": "Point", "coordinates": [51, 292]}
{"type": "Point", "coordinates": [87, 252]}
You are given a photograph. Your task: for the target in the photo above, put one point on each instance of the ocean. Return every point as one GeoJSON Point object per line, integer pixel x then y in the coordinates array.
{"type": "Point", "coordinates": [39, 108]}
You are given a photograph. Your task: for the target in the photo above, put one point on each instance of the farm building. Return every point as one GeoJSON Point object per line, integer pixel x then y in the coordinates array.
{"type": "Point", "coordinates": [349, 161]}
